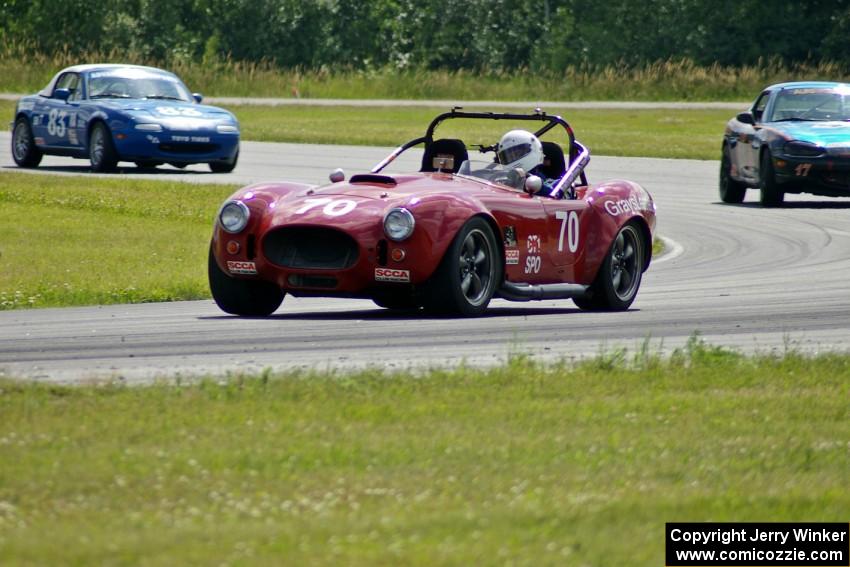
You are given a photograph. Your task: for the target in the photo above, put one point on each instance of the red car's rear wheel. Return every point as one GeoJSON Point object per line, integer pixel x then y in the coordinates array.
{"type": "Point", "coordinates": [619, 276]}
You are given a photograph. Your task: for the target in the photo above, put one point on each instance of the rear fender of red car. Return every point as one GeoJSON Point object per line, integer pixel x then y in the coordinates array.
{"type": "Point", "coordinates": [614, 204]}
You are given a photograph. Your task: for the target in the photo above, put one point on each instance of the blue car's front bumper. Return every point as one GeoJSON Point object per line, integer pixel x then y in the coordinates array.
{"type": "Point", "coordinates": [174, 146]}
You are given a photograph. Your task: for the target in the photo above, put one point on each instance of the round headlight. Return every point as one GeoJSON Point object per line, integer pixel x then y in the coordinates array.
{"type": "Point", "coordinates": [398, 224]}
{"type": "Point", "coordinates": [234, 216]}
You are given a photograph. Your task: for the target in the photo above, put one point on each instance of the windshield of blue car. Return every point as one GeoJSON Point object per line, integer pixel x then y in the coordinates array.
{"type": "Point", "coordinates": [811, 104]}
{"type": "Point", "coordinates": [135, 85]}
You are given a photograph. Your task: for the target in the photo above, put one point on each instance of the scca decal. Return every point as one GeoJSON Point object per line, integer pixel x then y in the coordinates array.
{"type": "Point", "coordinates": [241, 267]}
{"type": "Point", "coordinates": [512, 256]}
{"type": "Point", "coordinates": [391, 275]}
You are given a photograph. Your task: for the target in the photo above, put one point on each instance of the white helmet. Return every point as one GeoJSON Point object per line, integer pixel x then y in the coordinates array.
{"type": "Point", "coordinates": [519, 148]}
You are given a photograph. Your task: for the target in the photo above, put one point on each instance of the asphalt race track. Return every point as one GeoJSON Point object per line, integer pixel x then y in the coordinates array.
{"type": "Point", "coordinates": [758, 280]}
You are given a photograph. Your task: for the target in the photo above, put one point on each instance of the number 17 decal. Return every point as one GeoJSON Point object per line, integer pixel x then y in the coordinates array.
{"type": "Point", "coordinates": [803, 169]}
{"type": "Point", "coordinates": [570, 227]}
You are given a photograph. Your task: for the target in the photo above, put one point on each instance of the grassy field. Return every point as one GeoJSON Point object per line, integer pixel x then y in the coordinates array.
{"type": "Point", "coordinates": [520, 465]}
{"type": "Point", "coordinates": [83, 241]}
{"type": "Point", "coordinates": [663, 80]}
{"type": "Point", "coordinates": [693, 134]}
{"type": "Point", "coordinates": [573, 464]}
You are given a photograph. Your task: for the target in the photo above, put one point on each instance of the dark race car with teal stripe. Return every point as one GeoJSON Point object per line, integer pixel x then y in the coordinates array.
{"type": "Point", "coordinates": [794, 139]}
{"type": "Point", "coordinates": [113, 113]}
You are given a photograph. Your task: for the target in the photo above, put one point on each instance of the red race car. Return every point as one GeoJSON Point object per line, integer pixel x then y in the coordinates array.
{"type": "Point", "coordinates": [522, 225]}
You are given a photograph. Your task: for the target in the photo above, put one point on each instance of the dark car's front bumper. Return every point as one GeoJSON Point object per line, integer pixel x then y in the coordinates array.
{"type": "Point", "coordinates": [826, 175]}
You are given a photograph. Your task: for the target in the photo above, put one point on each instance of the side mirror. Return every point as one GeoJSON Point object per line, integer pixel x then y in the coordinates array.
{"type": "Point", "coordinates": [533, 184]}
{"type": "Point", "coordinates": [746, 118]}
{"type": "Point", "coordinates": [337, 175]}
{"type": "Point", "coordinates": [198, 97]}
{"type": "Point", "coordinates": [62, 94]}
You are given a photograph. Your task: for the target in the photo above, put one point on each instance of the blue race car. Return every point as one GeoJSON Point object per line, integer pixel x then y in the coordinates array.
{"type": "Point", "coordinates": [794, 139]}
{"type": "Point", "coordinates": [112, 113]}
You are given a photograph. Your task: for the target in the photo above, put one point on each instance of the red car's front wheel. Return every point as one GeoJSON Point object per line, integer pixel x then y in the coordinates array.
{"type": "Point", "coordinates": [248, 298]}
{"type": "Point", "coordinates": [469, 273]}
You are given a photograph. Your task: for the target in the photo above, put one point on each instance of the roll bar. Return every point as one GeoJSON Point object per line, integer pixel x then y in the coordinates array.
{"type": "Point", "coordinates": [578, 156]}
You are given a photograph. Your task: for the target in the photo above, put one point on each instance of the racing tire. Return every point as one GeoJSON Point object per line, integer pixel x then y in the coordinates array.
{"type": "Point", "coordinates": [771, 194]}
{"type": "Point", "coordinates": [24, 151]}
{"type": "Point", "coordinates": [469, 273]}
{"type": "Point", "coordinates": [102, 152]}
{"type": "Point", "coordinates": [148, 164]}
{"type": "Point", "coordinates": [619, 276]}
{"type": "Point", "coordinates": [224, 166]}
{"type": "Point", "coordinates": [246, 298]}
{"type": "Point", "coordinates": [731, 191]}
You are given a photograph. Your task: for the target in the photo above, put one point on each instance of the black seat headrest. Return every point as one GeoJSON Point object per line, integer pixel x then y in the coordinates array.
{"type": "Point", "coordinates": [444, 146]}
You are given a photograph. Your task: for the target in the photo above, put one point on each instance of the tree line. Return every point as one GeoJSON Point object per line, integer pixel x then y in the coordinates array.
{"type": "Point", "coordinates": [545, 36]}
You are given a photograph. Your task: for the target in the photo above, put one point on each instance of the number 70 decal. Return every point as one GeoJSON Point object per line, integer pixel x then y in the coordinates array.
{"type": "Point", "coordinates": [332, 207]}
{"type": "Point", "coordinates": [570, 227]}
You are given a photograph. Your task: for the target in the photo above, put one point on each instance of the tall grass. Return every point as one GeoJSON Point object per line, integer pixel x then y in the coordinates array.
{"type": "Point", "coordinates": [676, 79]}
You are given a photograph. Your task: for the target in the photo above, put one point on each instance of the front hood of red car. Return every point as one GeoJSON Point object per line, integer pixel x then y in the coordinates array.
{"type": "Point", "coordinates": [375, 186]}
{"type": "Point", "coordinates": [367, 198]}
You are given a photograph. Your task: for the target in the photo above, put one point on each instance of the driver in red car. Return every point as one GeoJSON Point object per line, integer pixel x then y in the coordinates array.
{"type": "Point", "coordinates": [522, 149]}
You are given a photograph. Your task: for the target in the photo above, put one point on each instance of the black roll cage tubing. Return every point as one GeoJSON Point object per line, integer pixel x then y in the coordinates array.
{"type": "Point", "coordinates": [578, 155]}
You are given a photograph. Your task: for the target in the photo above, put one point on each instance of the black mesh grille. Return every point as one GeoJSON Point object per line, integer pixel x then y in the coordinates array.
{"type": "Point", "coordinates": [188, 148]}
{"type": "Point", "coordinates": [324, 282]}
{"type": "Point", "coordinates": [310, 248]}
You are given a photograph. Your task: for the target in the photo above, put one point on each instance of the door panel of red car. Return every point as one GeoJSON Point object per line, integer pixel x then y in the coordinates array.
{"type": "Point", "coordinates": [564, 226]}
{"type": "Point", "coordinates": [526, 238]}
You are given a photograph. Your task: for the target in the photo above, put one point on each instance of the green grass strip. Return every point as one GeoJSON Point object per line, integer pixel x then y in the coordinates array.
{"type": "Point", "coordinates": [694, 134]}
{"type": "Point", "coordinates": [82, 241]}
{"type": "Point", "coordinates": [575, 464]}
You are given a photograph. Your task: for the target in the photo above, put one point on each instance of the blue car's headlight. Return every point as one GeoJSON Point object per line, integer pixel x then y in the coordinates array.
{"type": "Point", "coordinates": [227, 129]}
{"type": "Point", "coordinates": [398, 224]}
{"type": "Point", "coordinates": [234, 216]}
{"type": "Point", "coordinates": [797, 148]}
